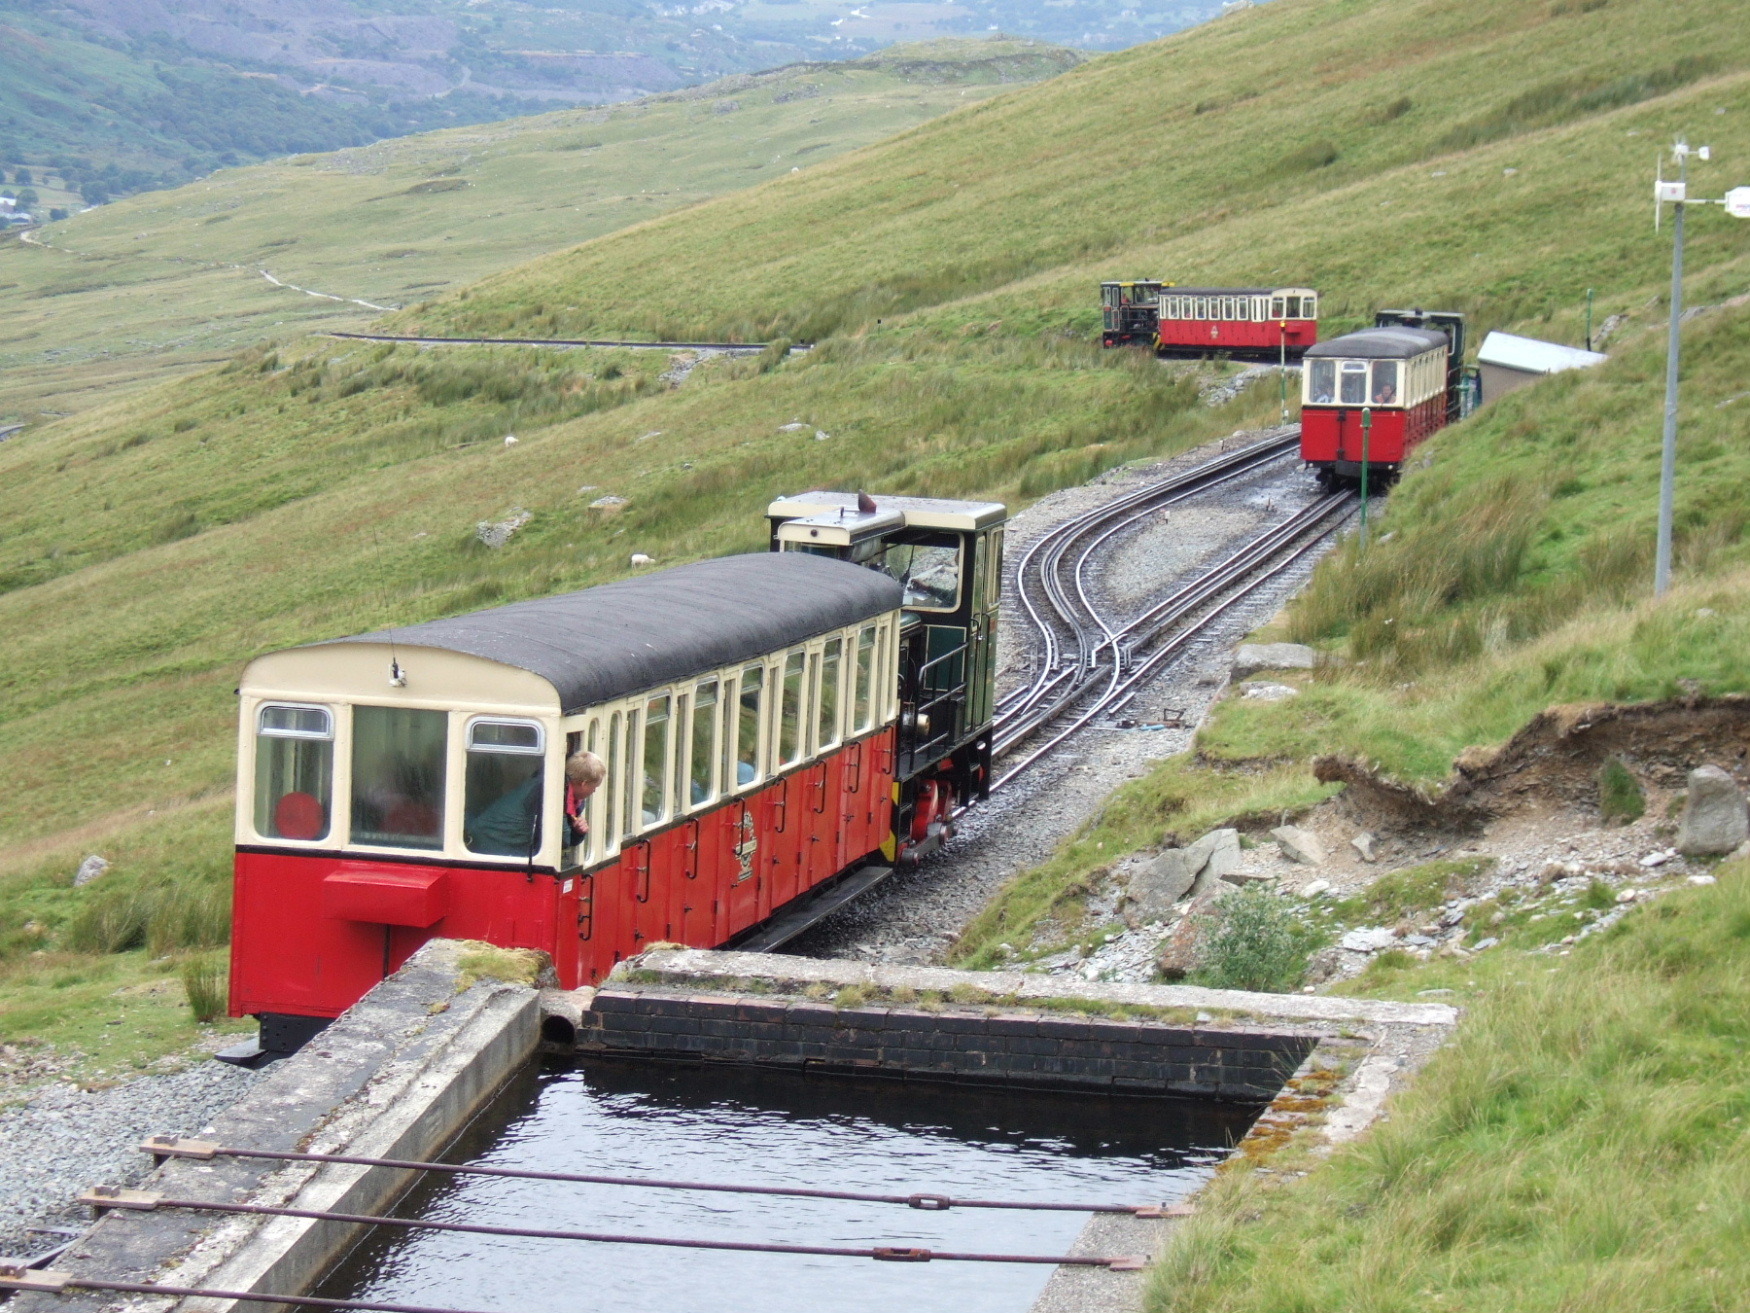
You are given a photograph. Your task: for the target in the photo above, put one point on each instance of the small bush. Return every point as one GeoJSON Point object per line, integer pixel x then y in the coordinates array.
{"type": "Point", "coordinates": [205, 983]}
{"type": "Point", "coordinates": [1254, 943]}
{"type": "Point", "coordinates": [1619, 794]}
{"type": "Point", "coordinates": [1309, 158]}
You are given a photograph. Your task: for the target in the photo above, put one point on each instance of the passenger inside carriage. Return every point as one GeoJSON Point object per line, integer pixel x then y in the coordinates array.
{"type": "Point", "coordinates": [584, 773]}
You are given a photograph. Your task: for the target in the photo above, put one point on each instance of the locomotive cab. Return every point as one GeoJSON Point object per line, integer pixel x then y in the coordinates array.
{"type": "Point", "coordinates": [1129, 312]}
{"type": "Point", "coordinates": [947, 558]}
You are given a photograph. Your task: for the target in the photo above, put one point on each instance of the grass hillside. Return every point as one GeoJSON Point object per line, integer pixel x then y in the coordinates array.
{"type": "Point", "coordinates": [1493, 158]}
{"type": "Point", "coordinates": [133, 291]}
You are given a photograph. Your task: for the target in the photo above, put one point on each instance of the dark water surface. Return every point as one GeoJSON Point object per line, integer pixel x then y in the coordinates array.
{"type": "Point", "coordinates": [768, 1127]}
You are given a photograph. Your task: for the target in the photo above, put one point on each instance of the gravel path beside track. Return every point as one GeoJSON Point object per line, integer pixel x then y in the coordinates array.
{"type": "Point", "coordinates": [916, 916]}
{"type": "Point", "coordinates": [65, 1139]}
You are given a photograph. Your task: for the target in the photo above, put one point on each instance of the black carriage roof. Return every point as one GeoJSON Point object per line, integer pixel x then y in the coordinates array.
{"type": "Point", "coordinates": [605, 642]}
{"type": "Point", "coordinates": [1224, 291]}
{"type": "Point", "coordinates": [1381, 344]}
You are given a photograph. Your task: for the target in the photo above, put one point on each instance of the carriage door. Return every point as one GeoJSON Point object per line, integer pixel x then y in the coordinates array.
{"type": "Point", "coordinates": [743, 889]}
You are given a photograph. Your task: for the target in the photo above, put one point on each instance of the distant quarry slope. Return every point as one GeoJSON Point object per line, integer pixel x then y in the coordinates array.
{"type": "Point", "coordinates": [1494, 158]}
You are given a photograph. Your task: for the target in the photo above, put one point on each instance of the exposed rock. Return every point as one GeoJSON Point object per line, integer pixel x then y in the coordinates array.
{"type": "Point", "coordinates": [1263, 690]}
{"type": "Point", "coordinates": [1181, 871]}
{"type": "Point", "coordinates": [1363, 844]}
{"type": "Point", "coordinates": [1368, 939]}
{"type": "Point", "coordinates": [1714, 819]}
{"type": "Point", "coordinates": [1248, 877]}
{"type": "Point", "coordinates": [1163, 882]}
{"type": "Point", "coordinates": [496, 533]}
{"type": "Point", "coordinates": [1250, 658]}
{"type": "Point", "coordinates": [609, 505]}
{"type": "Point", "coordinates": [1216, 853]}
{"type": "Point", "coordinates": [1179, 953]}
{"type": "Point", "coordinates": [89, 869]}
{"type": "Point", "coordinates": [1298, 845]}
{"type": "Point", "coordinates": [1313, 888]}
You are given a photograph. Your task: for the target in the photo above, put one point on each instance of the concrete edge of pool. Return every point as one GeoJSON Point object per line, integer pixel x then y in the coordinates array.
{"type": "Point", "coordinates": [403, 1071]}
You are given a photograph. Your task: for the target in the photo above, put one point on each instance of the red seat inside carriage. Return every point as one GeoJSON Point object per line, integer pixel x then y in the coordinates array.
{"type": "Point", "coordinates": [299, 816]}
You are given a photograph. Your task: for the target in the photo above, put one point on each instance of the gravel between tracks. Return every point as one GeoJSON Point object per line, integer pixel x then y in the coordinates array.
{"type": "Point", "coordinates": [916, 915]}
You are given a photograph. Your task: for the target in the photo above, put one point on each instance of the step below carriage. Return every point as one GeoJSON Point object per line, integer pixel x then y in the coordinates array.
{"type": "Point", "coordinates": [772, 725]}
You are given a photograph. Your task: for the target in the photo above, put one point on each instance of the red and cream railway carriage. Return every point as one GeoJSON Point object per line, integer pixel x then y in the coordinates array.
{"type": "Point", "coordinates": [754, 713]}
{"type": "Point", "coordinates": [1242, 323]}
{"type": "Point", "coordinates": [1371, 397]}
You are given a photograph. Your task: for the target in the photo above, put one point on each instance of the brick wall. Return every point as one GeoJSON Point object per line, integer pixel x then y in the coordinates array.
{"type": "Point", "coordinates": [1036, 1048]}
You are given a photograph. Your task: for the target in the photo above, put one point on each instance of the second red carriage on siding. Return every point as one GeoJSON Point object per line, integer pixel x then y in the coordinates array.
{"type": "Point", "coordinates": [1239, 323]}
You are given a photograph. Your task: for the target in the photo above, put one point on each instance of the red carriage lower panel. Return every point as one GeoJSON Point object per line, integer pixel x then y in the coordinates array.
{"type": "Point", "coordinates": [1333, 433]}
{"type": "Point", "coordinates": [1237, 335]}
{"type": "Point", "coordinates": [314, 932]}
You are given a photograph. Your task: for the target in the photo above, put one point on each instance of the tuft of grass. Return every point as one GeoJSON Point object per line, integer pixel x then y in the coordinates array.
{"type": "Point", "coordinates": [1499, 1178]}
{"type": "Point", "coordinates": [1414, 889]}
{"type": "Point", "coordinates": [1620, 798]}
{"type": "Point", "coordinates": [513, 966]}
{"type": "Point", "coordinates": [204, 984]}
{"type": "Point", "coordinates": [1253, 941]}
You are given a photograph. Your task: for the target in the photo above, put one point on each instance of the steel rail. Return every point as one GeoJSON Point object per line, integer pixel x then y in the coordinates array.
{"type": "Point", "coordinates": [1307, 526]}
{"type": "Point", "coordinates": [57, 1283]}
{"type": "Point", "coordinates": [146, 1201]}
{"type": "Point", "coordinates": [162, 1147]}
{"type": "Point", "coordinates": [1045, 557]}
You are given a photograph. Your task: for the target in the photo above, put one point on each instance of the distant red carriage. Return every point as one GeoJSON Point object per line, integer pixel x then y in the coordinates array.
{"type": "Point", "coordinates": [1239, 323]}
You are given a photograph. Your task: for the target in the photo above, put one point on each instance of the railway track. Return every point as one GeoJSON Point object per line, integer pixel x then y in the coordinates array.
{"type": "Point", "coordinates": [1092, 663]}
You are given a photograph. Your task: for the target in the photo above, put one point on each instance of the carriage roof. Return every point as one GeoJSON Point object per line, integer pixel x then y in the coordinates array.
{"type": "Point", "coordinates": [1381, 344]}
{"type": "Point", "coordinates": [614, 639]}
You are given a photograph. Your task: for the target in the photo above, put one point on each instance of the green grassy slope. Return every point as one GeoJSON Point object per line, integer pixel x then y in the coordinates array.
{"type": "Point", "coordinates": [325, 488]}
{"type": "Point", "coordinates": [1581, 1143]}
{"type": "Point", "coordinates": [131, 291]}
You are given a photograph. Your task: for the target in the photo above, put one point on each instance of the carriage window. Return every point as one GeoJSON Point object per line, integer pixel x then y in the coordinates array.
{"type": "Point", "coordinates": [747, 733]}
{"type": "Point", "coordinates": [1353, 390]}
{"type": "Point", "coordinates": [1321, 382]}
{"type": "Point", "coordinates": [655, 801]}
{"type": "Point", "coordinates": [1309, 307]}
{"type": "Point", "coordinates": [1278, 308]}
{"type": "Point", "coordinates": [1385, 383]}
{"type": "Point", "coordinates": [790, 712]}
{"type": "Point", "coordinates": [1200, 305]}
{"type": "Point", "coordinates": [827, 722]}
{"type": "Point", "coordinates": [863, 677]}
{"type": "Point", "coordinates": [704, 740]}
{"type": "Point", "coordinates": [398, 760]}
{"type": "Point", "coordinates": [1293, 308]}
{"type": "Point", "coordinates": [501, 808]}
{"type": "Point", "coordinates": [294, 771]}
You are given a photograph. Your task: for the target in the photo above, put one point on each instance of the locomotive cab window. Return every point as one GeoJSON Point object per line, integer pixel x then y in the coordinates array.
{"type": "Point", "coordinates": [398, 768]}
{"type": "Point", "coordinates": [294, 772]}
{"type": "Point", "coordinates": [928, 571]}
{"type": "Point", "coordinates": [503, 788]}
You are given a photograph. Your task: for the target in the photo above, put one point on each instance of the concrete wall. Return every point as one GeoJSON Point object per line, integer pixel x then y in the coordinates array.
{"type": "Point", "coordinates": [398, 1075]}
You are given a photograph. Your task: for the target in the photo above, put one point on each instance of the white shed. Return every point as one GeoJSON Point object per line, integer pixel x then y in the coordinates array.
{"type": "Point", "coordinates": [1507, 361]}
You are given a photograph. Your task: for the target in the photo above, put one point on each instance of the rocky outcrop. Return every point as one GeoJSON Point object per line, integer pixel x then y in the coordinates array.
{"type": "Point", "coordinates": [1250, 658]}
{"type": "Point", "coordinates": [1714, 820]}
